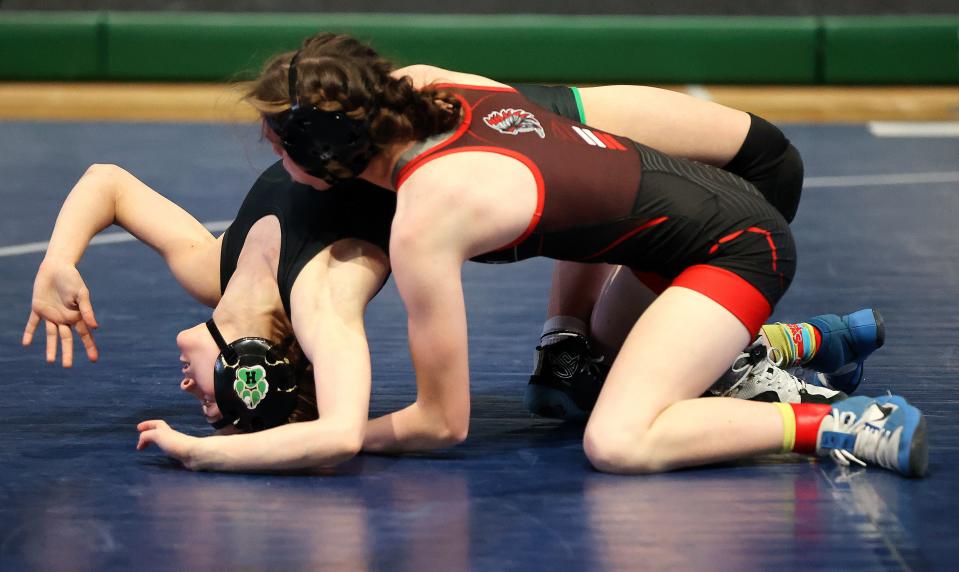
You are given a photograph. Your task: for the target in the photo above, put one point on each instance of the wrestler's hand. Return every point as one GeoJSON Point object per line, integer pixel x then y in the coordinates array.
{"type": "Point", "coordinates": [175, 444]}
{"type": "Point", "coordinates": [61, 299]}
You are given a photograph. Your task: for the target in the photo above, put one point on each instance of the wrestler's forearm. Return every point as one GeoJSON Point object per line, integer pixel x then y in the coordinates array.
{"type": "Point", "coordinates": [306, 445]}
{"type": "Point", "coordinates": [88, 209]}
{"type": "Point", "coordinates": [107, 194]}
{"type": "Point", "coordinates": [408, 430]}
{"type": "Point", "coordinates": [440, 416]}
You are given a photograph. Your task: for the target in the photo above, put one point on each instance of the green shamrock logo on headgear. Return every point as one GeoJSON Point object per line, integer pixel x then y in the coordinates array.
{"type": "Point", "coordinates": [251, 385]}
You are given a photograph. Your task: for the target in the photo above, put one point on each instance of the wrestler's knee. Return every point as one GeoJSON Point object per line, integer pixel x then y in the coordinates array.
{"type": "Point", "coordinates": [770, 162]}
{"type": "Point", "coordinates": [621, 450]}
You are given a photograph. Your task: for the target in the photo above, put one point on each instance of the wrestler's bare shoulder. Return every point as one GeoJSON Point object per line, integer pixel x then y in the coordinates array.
{"type": "Point", "coordinates": [423, 75]}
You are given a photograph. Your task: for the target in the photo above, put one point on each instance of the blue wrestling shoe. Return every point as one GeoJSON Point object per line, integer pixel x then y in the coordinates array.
{"type": "Point", "coordinates": [846, 342]}
{"type": "Point", "coordinates": [884, 431]}
{"type": "Point", "coordinates": [567, 378]}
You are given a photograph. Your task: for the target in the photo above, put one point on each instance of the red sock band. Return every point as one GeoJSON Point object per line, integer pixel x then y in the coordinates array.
{"type": "Point", "coordinates": [809, 417]}
{"type": "Point", "coordinates": [818, 335]}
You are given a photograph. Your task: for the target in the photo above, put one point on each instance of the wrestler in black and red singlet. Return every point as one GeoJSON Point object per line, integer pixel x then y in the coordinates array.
{"type": "Point", "coordinates": [604, 198]}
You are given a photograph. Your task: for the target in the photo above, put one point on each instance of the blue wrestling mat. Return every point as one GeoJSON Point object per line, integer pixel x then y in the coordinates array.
{"type": "Point", "coordinates": [877, 227]}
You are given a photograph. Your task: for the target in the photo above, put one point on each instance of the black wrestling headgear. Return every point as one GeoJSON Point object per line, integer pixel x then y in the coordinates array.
{"type": "Point", "coordinates": [314, 138]}
{"type": "Point", "coordinates": [254, 384]}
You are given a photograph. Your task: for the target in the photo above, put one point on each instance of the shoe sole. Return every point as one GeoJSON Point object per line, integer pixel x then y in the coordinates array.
{"type": "Point", "coordinates": [919, 450]}
{"type": "Point", "coordinates": [773, 397]}
{"type": "Point", "coordinates": [917, 463]}
{"type": "Point", "coordinates": [552, 403]}
{"type": "Point", "coordinates": [879, 338]}
{"type": "Point", "coordinates": [880, 329]}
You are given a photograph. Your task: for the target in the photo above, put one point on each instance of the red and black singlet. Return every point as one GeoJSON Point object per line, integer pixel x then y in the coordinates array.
{"type": "Point", "coordinates": [603, 198]}
{"type": "Point", "coordinates": [564, 157]}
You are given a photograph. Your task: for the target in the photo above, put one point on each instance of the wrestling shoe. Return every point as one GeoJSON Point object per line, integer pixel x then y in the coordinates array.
{"type": "Point", "coordinates": [884, 431]}
{"type": "Point", "coordinates": [846, 342]}
{"type": "Point", "coordinates": [755, 377]}
{"type": "Point", "coordinates": [566, 379]}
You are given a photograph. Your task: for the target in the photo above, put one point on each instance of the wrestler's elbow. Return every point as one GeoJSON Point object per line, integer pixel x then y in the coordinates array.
{"type": "Point", "coordinates": [446, 427]}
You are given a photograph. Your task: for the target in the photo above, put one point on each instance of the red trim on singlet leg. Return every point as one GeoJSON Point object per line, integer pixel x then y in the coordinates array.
{"type": "Point", "coordinates": [460, 131]}
{"type": "Point", "coordinates": [755, 230]}
{"type": "Point", "coordinates": [724, 240]}
{"type": "Point", "coordinates": [769, 240]}
{"type": "Point", "coordinates": [730, 291]}
{"type": "Point", "coordinates": [534, 170]}
{"type": "Point", "coordinates": [628, 235]}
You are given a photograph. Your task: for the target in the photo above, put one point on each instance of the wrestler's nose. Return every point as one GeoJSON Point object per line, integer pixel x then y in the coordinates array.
{"type": "Point", "coordinates": [190, 386]}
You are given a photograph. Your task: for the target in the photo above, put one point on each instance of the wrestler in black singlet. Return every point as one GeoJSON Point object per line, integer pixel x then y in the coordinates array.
{"type": "Point", "coordinates": [310, 220]}
{"type": "Point", "coordinates": [607, 199]}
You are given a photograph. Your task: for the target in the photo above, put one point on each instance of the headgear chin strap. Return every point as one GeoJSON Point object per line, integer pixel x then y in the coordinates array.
{"type": "Point", "coordinates": [314, 139]}
{"type": "Point", "coordinates": [254, 385]}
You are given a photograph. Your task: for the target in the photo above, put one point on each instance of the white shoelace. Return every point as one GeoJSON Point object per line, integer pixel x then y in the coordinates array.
{"type": "Point", "coordinates": [766, 371]}
{"type": "Point", "coordinates": [873, 442]}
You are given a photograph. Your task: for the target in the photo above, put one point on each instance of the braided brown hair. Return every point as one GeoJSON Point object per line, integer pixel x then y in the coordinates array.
{"type": "Point", "coordinates": [337, 72]}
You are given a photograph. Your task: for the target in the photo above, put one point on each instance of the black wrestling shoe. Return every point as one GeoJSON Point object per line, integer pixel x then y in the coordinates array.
{"type": "Point", "coordinates": [755, 377]}
{"type": "Point", "coordinates": [567, 378]}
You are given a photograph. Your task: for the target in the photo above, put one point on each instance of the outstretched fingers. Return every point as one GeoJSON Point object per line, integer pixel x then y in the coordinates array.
{"type": "Point", "coordinates": [30, 328]}
{"type": "Point", "coordinates": [151, 424]}
{"type": "Point", "coordinates": [170, 441]}
{"type": "Point", "coordinates": [86, 337]}
{"type": "Point", "coordinates": [66, 344]}
{"type": "Point", "coordinates": [150, 432]}
{"type": "Point", "coordinates": [51, 341]}
{"type": "Point", "coordinates": [62, 335]}
{"type": "Point", "coordinates": [146, 437]}
{"type": "Point", "coordinates": [86, 309]}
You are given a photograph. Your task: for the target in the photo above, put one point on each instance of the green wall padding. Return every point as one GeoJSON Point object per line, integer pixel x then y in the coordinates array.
{"type": "Point", "coordinates": [532, 48]}
{"type": "Point", "coordinates": [59, 45]}
{"type": "Point", "coordinates": [164, 46]}
{"type": "Point", "coordinates": [891, 49]}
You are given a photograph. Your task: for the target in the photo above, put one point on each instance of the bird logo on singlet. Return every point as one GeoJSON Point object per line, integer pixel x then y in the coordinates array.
{"type": "Point", "coordinates": [511, 121]}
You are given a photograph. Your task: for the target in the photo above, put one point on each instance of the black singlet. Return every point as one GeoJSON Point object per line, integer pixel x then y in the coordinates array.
{"type": "Point", "coordinates": [310, 220]}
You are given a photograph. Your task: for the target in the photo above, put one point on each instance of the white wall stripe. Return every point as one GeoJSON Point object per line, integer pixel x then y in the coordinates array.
{"type": "Point", "coordinates": [914, 129]}
{"type": "Point", "coordinates": [809, 183]}
{"type": "Point", "coordinates": [882, 180]}
{"type": "Point", "coordinates": [106, 238]}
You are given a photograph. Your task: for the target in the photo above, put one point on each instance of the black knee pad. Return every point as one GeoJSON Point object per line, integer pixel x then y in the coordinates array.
{"type": "Point", "coordinates": [788, 183]}
{"type": "Point", "coordinates": [769, 161]}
